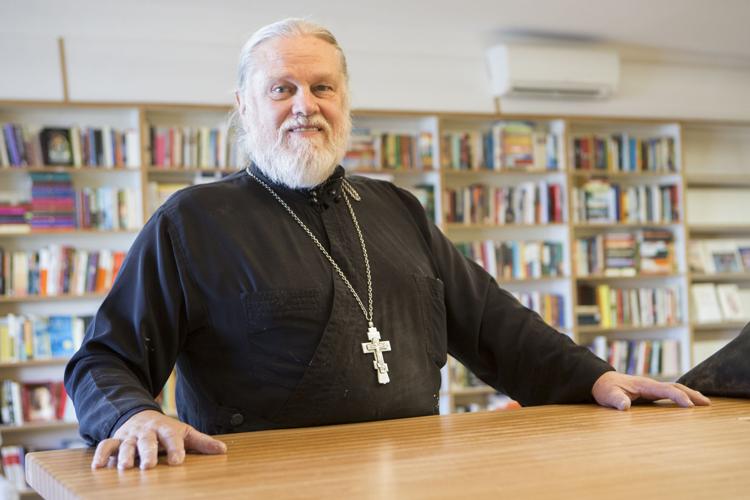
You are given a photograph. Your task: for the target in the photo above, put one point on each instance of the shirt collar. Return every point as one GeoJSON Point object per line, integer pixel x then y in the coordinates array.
{"type": "Point", "coordinates": [322, 195]}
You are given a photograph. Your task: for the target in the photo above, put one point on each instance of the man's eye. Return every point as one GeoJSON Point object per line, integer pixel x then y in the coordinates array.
{"type": "Point", "coordinates": [279, 89]}
{"type": "Point", "coordinates": [323, 88]}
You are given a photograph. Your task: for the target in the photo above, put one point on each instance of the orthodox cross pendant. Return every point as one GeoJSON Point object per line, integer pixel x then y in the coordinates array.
{"type": "Point", "coordinates": [377, 347]}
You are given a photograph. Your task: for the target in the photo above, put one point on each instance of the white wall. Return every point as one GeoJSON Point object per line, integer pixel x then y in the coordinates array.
{"type": "Point", "coordinates": [428, 59]}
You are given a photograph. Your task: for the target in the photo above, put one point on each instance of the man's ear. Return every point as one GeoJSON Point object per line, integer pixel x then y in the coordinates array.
{"type": "Point", "coordinates": [238, 100]}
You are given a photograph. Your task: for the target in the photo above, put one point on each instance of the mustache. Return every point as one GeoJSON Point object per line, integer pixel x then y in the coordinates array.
{"type": "Point", "coordinates": [312, 121]}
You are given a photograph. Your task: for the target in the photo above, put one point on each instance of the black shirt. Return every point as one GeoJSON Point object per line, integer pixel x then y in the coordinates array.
{"type": "Point", "coordinates": [222, 281]}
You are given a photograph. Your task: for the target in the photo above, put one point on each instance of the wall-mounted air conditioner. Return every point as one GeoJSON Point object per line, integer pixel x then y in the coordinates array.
{"type": "Point", "coordinates": [536, 71]}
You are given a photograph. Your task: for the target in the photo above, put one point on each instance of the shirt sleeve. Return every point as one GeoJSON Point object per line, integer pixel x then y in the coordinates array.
{"type": "Point", "coordinates": [505, 344]}
{"type": "Point", "coordinates": [132, 343]}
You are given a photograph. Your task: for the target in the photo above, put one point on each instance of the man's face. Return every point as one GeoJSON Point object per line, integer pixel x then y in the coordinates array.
{"type": "Point", "coordinates": [295, 110]}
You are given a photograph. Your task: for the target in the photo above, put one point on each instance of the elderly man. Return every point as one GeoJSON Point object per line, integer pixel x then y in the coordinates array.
{"type": "Point", "coordinates": [291, 295]}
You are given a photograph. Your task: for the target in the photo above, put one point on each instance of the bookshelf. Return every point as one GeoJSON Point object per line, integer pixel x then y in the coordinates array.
{"type": "Point", "coordinates": [706, 159]}
{"type": "Point", "coordinates": [717, 175]}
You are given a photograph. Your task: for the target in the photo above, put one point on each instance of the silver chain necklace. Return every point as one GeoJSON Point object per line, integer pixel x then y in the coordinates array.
{"type": "Point", "coordinates": [376, 347]}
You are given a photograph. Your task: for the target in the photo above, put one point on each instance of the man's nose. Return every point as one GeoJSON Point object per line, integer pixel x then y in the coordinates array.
{"type": "Point", "coordinates": [305, 103]}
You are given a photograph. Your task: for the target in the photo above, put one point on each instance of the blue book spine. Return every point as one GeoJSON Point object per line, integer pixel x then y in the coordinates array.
{"type": "Point", "coordinates": [10, 141]}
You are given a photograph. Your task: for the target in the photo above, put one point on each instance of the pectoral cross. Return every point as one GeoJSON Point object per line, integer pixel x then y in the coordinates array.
{"type": "Point", "coordinates": [377, 347]}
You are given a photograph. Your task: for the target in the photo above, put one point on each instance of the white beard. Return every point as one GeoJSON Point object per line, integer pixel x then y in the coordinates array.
{"type": "Point", "coordinates": [295, 161]}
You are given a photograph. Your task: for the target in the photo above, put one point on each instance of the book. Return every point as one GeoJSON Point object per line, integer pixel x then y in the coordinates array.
{"type": "Point", "coordinates": [56, 148]}
{"type": "Point", "coordinates": [723, 256]}
{"type": "Point", "coordinates": [729, 300]}
{"type": "Point", "coordinates": [41, 401]}
{"type": "Point", "coordinates": [705, 303]}
{"type": "Point", "coordinates": [698, 259]}
{"type": "Point", "coordinates": [743, 249]}
{"type": "Point", "coordinates": [13, 466]}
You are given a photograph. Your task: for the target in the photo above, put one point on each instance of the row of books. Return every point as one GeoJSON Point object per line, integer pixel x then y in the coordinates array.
{"type": "Point", "coordinates": [425, 193]}
{"type": "Point", "coordinates": [13, 463]}
{"type": "Point", "coordinates": [623, 153]}
{"type": "Point", "coordinates": [56, 204]}
{"type": "Point", "coordinates": [516, 259]}
{"type": "Point", "coordinates": [32, 337]}
{"type": "Point", "coordinates": [714, 303]}
{"type": "Point", "coordinates": [550, 306]}
{"type": "Point", "coordinates": [507, 145]}
{"type": "Point", "coordinates": [106, 147]}
{"type": "Point", "coordinates": [527, 203]}
{"type": "Point", "coordinates": [719, 256]}
{"type": "Point", "coordinates": [640, 357]}
{"type": "Point", "coordinates": [650, 251]}
{"type": "Point", "coordinates": [600, 201]}
{"type": "Point", "coordinates": [41, 401]}
{"type": "Point", "coordinates": [610, 307]}
{"type": "Point", "coordinates": [159, 192]}
{"type": "Point", "coordinates": [370, 149]}
{"type": "Point", "coordinates": [191, 147]}
{"type": "Point", "coordinates": [57, 270]}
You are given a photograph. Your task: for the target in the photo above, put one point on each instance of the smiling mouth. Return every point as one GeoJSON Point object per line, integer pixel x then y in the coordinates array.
{"type": "Point", "coordinates": [305, 129]}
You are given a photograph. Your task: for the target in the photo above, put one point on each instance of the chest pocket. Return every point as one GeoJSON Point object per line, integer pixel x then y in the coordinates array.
{"type": "Point", "coordinates": [432, 306]}
{"type": "Point", "coordinates": [284, 328]}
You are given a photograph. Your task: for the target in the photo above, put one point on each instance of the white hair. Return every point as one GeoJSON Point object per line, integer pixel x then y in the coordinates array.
{"type": "Point", "coordinates": [286, 28]}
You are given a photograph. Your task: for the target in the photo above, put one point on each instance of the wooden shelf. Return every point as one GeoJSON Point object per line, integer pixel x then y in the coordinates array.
{"type": "Point", "coordinates": [70, 170]}
{"type": "Point", "coordinates": [454, 172]}
{"type": "Point", "coordinates": [719, 228]}
{"type": "Point", "coordinates": [724, 325]}
{"type": "Point", "coordinates": [521, 281]}
{"type": "Point", "coordinates": [636, 277]}
{"type": "Point", "coordinates": [38, 426]}
{"type": "Point", "coordinates": [622, 225]}
{"type": "Point", "coordinates": [459, 225]}
{"type": "Point", "coordinates": [718, 180]}
{"type": "Point", "coordinates": [391, 171]}
{"type": "Point", "coordinates": [723, 277]}
{"type": "Point", "coordinates": [192, 170]}
{"type": "Point", "coordinates": [34, 362]}
{"type": "Point", "coordinates": [50, 298]}
{"type": "Point", "coordinates": [588, 330]}
{"type": "Point", "coordinates": [588, 174]}
{"type": "Point", "coordinates": [72, 232]}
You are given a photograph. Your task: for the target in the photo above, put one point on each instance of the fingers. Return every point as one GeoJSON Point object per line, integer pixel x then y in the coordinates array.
{"type": "Point", "coordinates": [617, 390]}
{"type": "Point", "coordinates": [617, 398]}
{"type": "Point", "coordinates": [143, 433]}
{"type": "Point", "coordinates": [148, 450]}
{"type": "Point", "coordinates": [203, 443]}
{"type": "Point", "coordinates": [174, 444]}
{"type": "Point", "coordinates": [695, 396]}
{"type": "Point", "coordinates": [104, 450]}
{"type": "Point", "coordinates": [609, 391]}
{"type": "Point", "coordinates": [680, 394]}
{"type": "Point", "coordinates": [126, 456]}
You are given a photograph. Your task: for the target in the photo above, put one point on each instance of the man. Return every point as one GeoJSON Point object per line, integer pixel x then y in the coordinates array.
{"type": "Point", "coordinates": [290, 295]}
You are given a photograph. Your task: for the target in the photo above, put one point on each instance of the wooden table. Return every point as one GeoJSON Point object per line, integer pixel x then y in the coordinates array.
{"type": "Point", "coordinates": [651, 451]}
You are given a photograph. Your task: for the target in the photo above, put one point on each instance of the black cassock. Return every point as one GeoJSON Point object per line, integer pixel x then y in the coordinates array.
{"type": "Point", "coordinates": [222, 281]}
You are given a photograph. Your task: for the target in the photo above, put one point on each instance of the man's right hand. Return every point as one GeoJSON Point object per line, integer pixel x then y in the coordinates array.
{"type": "Point", "coordinates": [145, 433]}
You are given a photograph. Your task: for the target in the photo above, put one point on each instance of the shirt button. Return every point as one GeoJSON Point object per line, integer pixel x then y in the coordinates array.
{"type": "Point", "coordinates": [236, 419]}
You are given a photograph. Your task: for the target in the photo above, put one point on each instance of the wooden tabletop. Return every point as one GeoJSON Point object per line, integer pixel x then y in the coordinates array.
{"type": "Point", "coordinates": [572, 451]}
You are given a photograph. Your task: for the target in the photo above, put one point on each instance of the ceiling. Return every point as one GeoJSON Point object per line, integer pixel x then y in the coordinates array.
{"type": "Point", "coordinates": [709, 29]}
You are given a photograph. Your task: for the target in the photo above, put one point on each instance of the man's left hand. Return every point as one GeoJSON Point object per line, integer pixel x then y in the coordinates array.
{"type": "Point", "coordinates": [617, 390]}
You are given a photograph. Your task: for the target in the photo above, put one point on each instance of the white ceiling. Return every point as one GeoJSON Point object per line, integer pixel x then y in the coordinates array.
{"type": "Point", "coordinates": [714, 29]}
